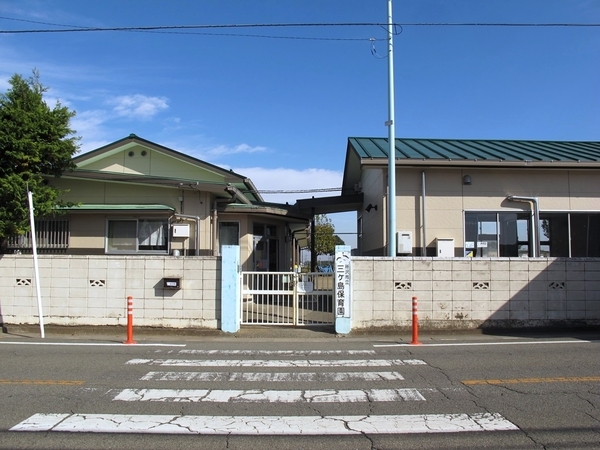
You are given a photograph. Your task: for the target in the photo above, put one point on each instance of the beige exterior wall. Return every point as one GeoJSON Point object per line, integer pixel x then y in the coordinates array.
{"type": "Point", "coordinates": [154, 163]}
{"type": "Point", "coordinates": [87, 233]}
{"type": "Point", "coordinates": [88, 230]}
{"type": "Point", "coordinates": [447, 198]}
{"type": "Point", "coordinates": [92, 191]}
{"type": "Point", "coordinates": [374, 182]}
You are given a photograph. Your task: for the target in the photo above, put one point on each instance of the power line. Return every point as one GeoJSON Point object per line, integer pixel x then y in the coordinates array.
{"type": "Point", "coordinates": [74, 29]}
{"type": "Point", "coordinates": [183, 29]}
{"type": "Point", "coordinates": [296, 191]}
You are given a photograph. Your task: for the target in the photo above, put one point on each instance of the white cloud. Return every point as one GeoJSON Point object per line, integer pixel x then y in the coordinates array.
{"type": "Point", "coordinates": [309, 180]}
{"type": "Point", "coordinates": [241, 148]}
{"type": "Point", "coordinates": [138, 106]}
{"type": "Point", "coordinates": [4, 84]}
{"type": "Point", "coordinates": [285, 179]}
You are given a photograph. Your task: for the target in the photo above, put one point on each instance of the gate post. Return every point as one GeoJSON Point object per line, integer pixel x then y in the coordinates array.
{"type": "Point", "coordinates": [342, 289]}
{"type": "Point", "coordinates": [230, 288]}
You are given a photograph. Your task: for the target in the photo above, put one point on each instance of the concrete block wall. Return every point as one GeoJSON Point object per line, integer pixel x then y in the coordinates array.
{"type": "Point", "coordinates": [452, 293]}
{"type": "Point", "coordinates": [463, 293]}
{"type": "Point", "coordinates": [93, 290]}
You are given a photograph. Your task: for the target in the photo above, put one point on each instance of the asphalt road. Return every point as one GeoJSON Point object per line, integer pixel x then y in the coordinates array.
{"type": "Point", "coordinates": [292, 389]}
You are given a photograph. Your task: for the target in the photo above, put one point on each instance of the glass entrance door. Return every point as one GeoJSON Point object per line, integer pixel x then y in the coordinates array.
{"type": "Point", "coordinates": [266, 248]}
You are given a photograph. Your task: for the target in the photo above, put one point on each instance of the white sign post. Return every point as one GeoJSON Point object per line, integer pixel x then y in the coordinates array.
{"type": "Point", "coordinates": [35, 262]}
{"type": "Point", "coordinates": [342, 289]}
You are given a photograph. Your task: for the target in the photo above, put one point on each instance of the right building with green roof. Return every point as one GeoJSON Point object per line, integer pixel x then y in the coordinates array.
{"type": "Point", "coordinates": [477, 198]}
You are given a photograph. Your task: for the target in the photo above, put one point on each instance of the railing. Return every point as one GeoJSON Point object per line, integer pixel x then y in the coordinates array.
{"type": "Point", "coordinates": [287, 298]}
{"type": "Point", "coordinates": [315, 299]}
{"type": "Point", "coordinates": [268, 298]}
{"type": "Point", "coordinates": [49, 234]}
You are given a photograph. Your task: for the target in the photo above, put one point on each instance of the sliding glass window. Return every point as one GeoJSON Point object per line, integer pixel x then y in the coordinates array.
{"type": "Point", "coordinates": [137, 236]}
{"type": "Point", "coordinates": [497, 234]}
{"type": "Point", "coordinates": [561, 234]}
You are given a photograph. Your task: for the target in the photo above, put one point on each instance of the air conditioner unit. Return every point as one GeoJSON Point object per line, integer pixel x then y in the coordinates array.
{"type": "Point", "coordinates": [404, 243]}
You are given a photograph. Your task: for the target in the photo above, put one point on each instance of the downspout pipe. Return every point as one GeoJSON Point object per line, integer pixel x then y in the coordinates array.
{"type": "Point", "coordinates": [215, 229]}
{"type": "Point", "coordinates": [197, 219]}
{"type": "Point", "coordinates": [424, 219]}
{"type": "Point", "coordinates": [535, 211]}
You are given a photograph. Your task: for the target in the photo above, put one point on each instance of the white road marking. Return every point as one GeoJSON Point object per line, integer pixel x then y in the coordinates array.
{"type": "Point", "coordinates": [274, 362]}
{"type": "Point", "coordinates": [278, 352]}
{"type": "Point", "coordinates": [268, 396]}
{"type": "Point", "coordinates": [468, 344]}
{"type": "Point", "coordinates": [272, 376]}
{"type": "Point", "coordinates": [266, 425]}
{"type": "Point", "coordinates": [90, 344]}
{"type": "Point", "coordinates": [40, 422]}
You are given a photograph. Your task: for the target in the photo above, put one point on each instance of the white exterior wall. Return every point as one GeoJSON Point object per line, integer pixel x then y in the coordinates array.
{"type": "Point", "coordinates": [464, 293]}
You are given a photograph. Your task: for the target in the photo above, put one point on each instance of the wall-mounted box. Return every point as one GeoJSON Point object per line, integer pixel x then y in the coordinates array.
{"type": "Point", "coordinates": [404, 243]}
{"type": "Point", "coordinates": [171, 283]}
{"type": "Point", "coordinates": [182, 231]}
{"type": "Point", "coordinates": [444, 247]}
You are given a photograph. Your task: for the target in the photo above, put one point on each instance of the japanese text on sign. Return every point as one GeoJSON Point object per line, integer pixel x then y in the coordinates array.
{"type": "Point", "coordinates": [342, 284]}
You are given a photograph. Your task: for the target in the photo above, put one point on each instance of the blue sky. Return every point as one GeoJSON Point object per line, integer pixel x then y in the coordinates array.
{"type": "Point", "coordinates": [279, 109]}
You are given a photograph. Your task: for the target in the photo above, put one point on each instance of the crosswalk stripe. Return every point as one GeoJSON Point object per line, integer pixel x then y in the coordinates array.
{"type": "Point", "coordinates": [277, 352]}
{"type": "Point", "coordinates": [266, 425]}
{"type": "Point", "coordinates": [275, 362]}
{"type": "Point", "coordinates": [273, 376]}
{"type": "Point", "coordinates": [269, 396]}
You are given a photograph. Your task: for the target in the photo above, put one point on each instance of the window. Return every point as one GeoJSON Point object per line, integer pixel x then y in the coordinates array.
{"type": "Point", "coordinates": [561, 234]}
{"type": "Point", "coordinates": [137, 236]}
{"type": "Point", "coordinates": [554, 234]}
{"type": "Point", "coordinates": [266, 247]}
{"type": "Point", "coordinates": [497, 234]}
{"type": "Point", "coordinates": [229, 234]}
{"type": "Point", "coordinates": [570, 234]}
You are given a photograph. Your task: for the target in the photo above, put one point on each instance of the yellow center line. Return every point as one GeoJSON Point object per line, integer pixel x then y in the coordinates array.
{"type": "Point", "coordinates": [45, 382]}
{"type": "Point", "coordinates": [533, 380]}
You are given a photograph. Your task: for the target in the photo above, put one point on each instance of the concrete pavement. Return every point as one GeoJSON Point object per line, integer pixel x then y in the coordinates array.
{"type": "Point", "coordinates": [280, 333]}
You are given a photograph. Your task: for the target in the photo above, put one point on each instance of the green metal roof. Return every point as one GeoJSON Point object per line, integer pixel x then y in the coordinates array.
{"type": "Point", "coordinates": [478, 150]}
{"type": "Point", "coordinates": [127, 207]}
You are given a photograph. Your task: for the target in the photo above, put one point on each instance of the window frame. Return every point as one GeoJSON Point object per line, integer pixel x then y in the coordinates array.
{"type": "Point", "coordinates": [221, 222]}
{"type": "Point", "coordinates": [569, 233]}
{"type": "Point", "coordinates": [498, 233]}
{"type": "Point", "coordinates": [137, 251]}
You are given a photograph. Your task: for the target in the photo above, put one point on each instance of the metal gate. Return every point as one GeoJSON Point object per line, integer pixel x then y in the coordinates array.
{"type": "Point", "coordinates": [287, 298]}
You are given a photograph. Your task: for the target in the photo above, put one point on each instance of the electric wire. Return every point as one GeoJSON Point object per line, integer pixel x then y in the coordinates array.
{"type": "Point", "coordinates": [184, 29]}
{"type": "Point", "coordinates": [295, 191]}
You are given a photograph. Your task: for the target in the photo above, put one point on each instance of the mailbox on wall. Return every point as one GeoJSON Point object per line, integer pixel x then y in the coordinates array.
{"type": "Point", "coordinates": [171, 283]}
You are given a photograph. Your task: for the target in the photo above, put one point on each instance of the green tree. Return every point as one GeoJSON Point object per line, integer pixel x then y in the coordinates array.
{"type": "Point", "coordinates": [36, 141]}
{"type": "Point", "coordinates": [325, 237]}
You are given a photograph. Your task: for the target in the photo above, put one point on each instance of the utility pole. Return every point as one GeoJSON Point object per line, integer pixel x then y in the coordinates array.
{"type": "Point", "coordinates": [391, 140]}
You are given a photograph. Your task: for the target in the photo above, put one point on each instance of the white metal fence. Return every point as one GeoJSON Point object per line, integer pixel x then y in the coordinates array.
{"type": "Point", "coordinates": [287, 298]}
{"type": "Point", "coordinates": [49, 235]}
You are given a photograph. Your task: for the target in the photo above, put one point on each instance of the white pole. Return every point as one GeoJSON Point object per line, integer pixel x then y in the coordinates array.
{"type": "Point", "coordinates": [391, 140]}
{"type": "Point", "coordinates": [35, 262]}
